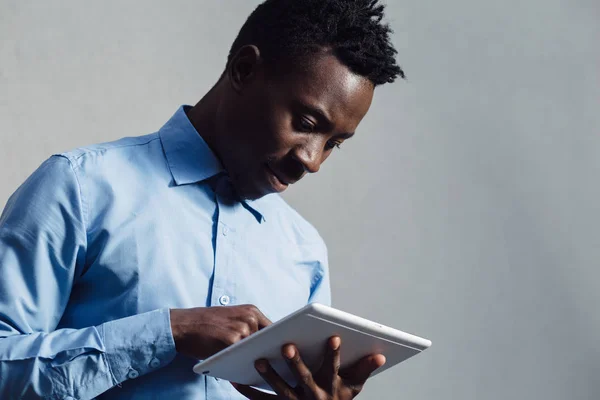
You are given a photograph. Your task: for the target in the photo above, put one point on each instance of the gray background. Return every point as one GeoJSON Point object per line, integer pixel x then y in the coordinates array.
{"type": "Point", "coordinates": [466, 209]}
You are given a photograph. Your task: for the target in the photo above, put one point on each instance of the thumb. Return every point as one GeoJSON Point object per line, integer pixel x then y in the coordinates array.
{"type": "Point", "coordinates": [360, 372]}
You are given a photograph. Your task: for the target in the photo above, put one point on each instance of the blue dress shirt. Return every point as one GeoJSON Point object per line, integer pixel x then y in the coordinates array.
{"type": "Point", "coordinates": [99, 243]}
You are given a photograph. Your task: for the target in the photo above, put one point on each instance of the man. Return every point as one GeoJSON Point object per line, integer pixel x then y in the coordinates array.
{"type": "Point", "coordinates": [122, 264]}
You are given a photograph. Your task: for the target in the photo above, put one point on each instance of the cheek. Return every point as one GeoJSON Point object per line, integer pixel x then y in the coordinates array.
{"type": "Point", "coordinates": [284, 141]}
{"type": "Point", "coordinates": [280, 135]}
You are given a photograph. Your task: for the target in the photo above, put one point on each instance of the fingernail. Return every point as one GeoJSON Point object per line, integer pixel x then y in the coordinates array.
{"type": "Point", "coordinates": [261, 366]}
{"type": "Point", "coordinates": [289, 352]}
{"type": "Point", "coordinates": [335, 342]}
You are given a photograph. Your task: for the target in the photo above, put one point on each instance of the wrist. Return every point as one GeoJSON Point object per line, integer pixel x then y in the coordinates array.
{"type": "Point", "coordinates": [176, 331]}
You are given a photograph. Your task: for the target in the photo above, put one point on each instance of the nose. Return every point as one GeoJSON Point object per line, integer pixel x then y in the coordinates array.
{"type": "Point", "coordinates": [309, 155]}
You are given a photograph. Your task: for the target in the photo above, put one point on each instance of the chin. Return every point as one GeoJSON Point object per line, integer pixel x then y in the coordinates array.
{"type": "Point", "coordinates": [252, 186]}
{"type": "Point", "coordinates": [250, 191]}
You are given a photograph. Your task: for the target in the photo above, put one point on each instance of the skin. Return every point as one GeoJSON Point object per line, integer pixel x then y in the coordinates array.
{"type": "Point", "coordinates": [253, 118]}
{"type": "Point", "coordinates": [269, 129]}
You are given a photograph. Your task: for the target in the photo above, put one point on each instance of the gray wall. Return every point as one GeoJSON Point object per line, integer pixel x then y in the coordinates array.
{"type": "Point", "coordinates": [465, 210]}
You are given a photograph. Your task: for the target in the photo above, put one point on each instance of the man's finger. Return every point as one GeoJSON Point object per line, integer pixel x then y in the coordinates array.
{"type": "Point", "coordinates": [331, 363]}
{"type": "Point", "coordinates": [360, 372]}
{"type": "Point", "coordinates": [263, 321]}
{"type": "Point", "coordinates": [251, 315]}
{"type": "Point", "coordinates": [299, 369]}
{"type": "Point", "coordinates": [251, 393]}
{"type": "Point", "coordinates": [277, 383]}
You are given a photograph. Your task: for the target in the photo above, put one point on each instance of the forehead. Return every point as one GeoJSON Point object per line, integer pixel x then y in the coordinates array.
{"type": "Point", "coordinates": [326, 83]}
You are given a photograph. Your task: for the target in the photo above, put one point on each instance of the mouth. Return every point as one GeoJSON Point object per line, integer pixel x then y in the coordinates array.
{"type": "Point", "coordinates": [277, 183]}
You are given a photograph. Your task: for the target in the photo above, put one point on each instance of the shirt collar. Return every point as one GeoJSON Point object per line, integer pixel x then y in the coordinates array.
{"type": "Point", "coordinates": [189, 158]}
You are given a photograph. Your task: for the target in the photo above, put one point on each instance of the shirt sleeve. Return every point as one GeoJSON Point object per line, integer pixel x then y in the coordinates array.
{"type": "Point", "coordinates": [42, 249]}
{"type": "Point", "coordinates": [321, 289]}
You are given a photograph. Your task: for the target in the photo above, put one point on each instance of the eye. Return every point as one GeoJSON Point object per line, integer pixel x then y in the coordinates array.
{"type": "Point", "coordinates": [305, 125]}
{"type": "Point", "coordinates": [333, 143]}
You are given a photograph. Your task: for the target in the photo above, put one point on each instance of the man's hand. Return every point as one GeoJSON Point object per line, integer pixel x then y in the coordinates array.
{"type": "Point", "coordinates": [329, 383]}
{"type": "Point", "coordinates": [203, 331]}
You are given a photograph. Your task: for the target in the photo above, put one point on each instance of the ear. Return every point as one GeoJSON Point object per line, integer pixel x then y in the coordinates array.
{"type": "Point", "coordinates": [243, 67]}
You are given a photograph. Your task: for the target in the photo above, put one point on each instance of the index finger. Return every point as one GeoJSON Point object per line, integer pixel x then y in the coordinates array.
{"type": "Point", "coordinates": [254, 317]}
{"type": "Point", "coordinates": [263, 321]}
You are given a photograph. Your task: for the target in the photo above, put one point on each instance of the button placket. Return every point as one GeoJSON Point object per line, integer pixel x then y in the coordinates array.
{"type": "Point", "coordinates": [222, 291]}
{"type": "Point", "coordinates": [224, 300]}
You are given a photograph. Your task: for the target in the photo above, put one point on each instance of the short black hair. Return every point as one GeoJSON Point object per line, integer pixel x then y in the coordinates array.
{"type": "Point", "coordinates": [352, 29]}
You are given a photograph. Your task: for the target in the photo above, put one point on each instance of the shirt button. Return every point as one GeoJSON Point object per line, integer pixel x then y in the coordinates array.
{"type": "Point", "coordinates": [224, 300]}
{"type": "Point", "coordinates": [225, 231]}
{"type": "Point", "coordinates": [154, 363]}
{"type": "Point", "coordinates": [132, 374]}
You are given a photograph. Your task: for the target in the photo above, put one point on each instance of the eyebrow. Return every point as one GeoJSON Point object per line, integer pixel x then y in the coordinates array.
{"type": "Point", "coordinates": [322, 117]}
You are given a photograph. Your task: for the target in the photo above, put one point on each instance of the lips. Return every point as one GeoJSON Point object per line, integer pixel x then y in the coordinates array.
{"type": "Point", "coordinates": [278, 183]}
{"type": "Point", "coordinates": [279, 177]}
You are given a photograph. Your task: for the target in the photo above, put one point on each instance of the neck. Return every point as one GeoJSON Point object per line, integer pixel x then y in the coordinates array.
{"type": "Point", "coordinates": [203, 117]}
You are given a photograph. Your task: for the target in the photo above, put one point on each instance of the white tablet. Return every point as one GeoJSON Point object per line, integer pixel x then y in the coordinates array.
{"type": "Point", "coordinates": [309, 329]}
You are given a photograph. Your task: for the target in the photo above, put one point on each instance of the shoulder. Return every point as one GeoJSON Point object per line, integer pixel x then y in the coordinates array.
{"type": "Point", "coordinates": [121, 149]}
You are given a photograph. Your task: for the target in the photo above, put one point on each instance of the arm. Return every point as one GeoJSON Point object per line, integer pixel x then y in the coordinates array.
{"type": "Point", "coordinates": [42, 251]}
